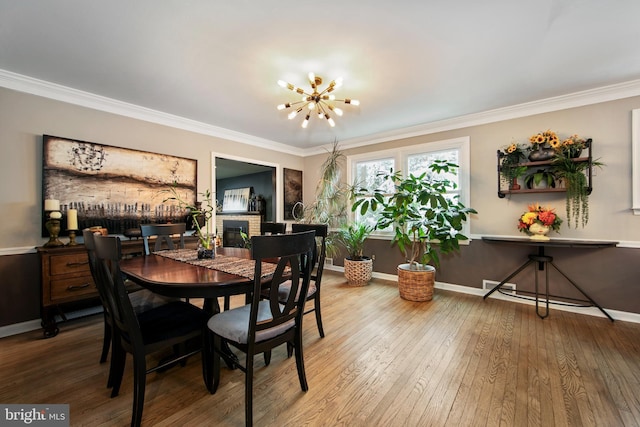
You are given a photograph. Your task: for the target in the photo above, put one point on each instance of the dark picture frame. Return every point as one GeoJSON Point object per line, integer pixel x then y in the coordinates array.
{"type": "Point", "coordinates": [113, 187]}
{"type": "Point", "coordinates": [292, 181]}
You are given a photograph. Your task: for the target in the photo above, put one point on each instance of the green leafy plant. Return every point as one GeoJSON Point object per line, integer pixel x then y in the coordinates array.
{"type": "Point", "coordinates": [352, 237]}
{"type": "Point", "coordinates": [332, 195]}
{"type": "Point", "coordinates": [201, 213]}
{"type": "Point", "coordinates": [572, 172]}
{"type": "Point", "coordinates": [511, 157]}
{"type": "Point", "coordinates": [535, 179]}
{"type": "Point", "coordinates": [424, 218]}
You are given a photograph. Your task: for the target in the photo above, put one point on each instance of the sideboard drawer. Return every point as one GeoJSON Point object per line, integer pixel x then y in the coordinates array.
{"type": "Point", "coordinates": [72, 288]}
{"type": "Point", "coordinates": [69, 263]}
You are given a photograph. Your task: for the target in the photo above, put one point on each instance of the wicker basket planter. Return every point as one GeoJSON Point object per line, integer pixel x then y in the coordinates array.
{"type": "Point", "coordinates": [416, 285]}
{"type": "Point", "coordinates": [358, 273]}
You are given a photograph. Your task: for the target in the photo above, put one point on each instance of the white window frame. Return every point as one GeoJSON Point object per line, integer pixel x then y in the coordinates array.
{"type": "Point", "coordinates": [400, 155]}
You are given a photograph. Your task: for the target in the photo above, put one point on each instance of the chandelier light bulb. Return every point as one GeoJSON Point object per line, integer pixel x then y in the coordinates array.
{"type": "Point", "coordinates": [294, 113]}
{"type": "Point", "coordinates": [337, 110]}
{"type": "Point", "coordinates": [317, 99]}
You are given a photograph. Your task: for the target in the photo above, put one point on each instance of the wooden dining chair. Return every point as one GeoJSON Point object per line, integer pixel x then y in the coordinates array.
{"type": "Point", "coordinates": [273, 228]}
{"type": "Point", "coordinates": [164, 235]}
{"type": "Point", "coordinates": [141, 300]}
{"type": "Point", "coordinates": [262, 325]}
{"type": "Point", "coordinates": [140, 334]}
{"type": "Point", "coordinates": [319, 256]}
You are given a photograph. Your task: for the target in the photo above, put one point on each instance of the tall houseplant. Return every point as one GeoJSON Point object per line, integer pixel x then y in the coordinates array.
{"type": "Point", "coordinates": [358, 268]}
{"type": "Point", "coordinates": [424, 219]}
{"type": "Point", "coordinates": [201, 214]}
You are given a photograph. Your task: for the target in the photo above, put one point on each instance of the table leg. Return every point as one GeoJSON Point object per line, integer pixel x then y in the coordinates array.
{"type": "Point", "coordinates": [595, 304]}
{"type": "Point", "coordinates": [515, 273]}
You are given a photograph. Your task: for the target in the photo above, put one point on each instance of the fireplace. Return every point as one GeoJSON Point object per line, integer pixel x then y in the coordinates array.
{"type": "Point", "coordinates": [231, 232]}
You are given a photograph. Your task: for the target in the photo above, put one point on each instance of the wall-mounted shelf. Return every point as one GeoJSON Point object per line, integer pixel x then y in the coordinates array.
{"type": "Point", "coordinates": [504, 189]}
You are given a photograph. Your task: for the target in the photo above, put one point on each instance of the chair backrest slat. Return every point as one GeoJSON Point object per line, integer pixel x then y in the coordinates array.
{"type": "Point", "coordinates": [163, 233]}
{"type": "Point", "coordinates": [320, 250]}
{"type": "Point", "coordinates": [273, 228]}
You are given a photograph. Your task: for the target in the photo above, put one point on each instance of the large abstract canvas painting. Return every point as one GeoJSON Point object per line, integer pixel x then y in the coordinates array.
{"type": "Point", "coordinates": [116, 188]}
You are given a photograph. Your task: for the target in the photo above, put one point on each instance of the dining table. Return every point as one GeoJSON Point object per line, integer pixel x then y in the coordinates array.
{"type": "Point", "coordinates": [179, 273]}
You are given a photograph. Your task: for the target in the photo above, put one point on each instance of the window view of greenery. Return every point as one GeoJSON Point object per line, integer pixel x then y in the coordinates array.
{"type": "Point", "coordinates": [367, 174]}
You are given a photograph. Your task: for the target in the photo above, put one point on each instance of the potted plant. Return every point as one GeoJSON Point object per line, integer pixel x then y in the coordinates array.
{"type": "Point", "coordinates": [357, 267]}
{"type": "Point", "coordinates": [201, 214]}
{"type": "Point", "coordinates": [425, 222]}
{"type": "Point", "coordinates": [573, 174]}
{"type": "Point", "coordinates": [510, 167]}
{"type": "Point", "coordinates": [540, 179]}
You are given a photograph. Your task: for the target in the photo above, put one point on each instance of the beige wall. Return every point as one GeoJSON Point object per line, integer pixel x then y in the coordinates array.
{"type": "Point", "coordinates": [609, 124]}
{"type": "Point", "coordinates": [25, 118]}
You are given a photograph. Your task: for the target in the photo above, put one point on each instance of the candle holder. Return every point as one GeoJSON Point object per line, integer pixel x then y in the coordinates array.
{"type": "Point", "coordinates": [72, 238]}
{"type": "Point", "coordinates": [53, 227]}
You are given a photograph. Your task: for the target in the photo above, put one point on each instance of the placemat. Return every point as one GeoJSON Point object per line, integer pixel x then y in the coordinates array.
{"type": "Point", "coordinates": [229, 264]}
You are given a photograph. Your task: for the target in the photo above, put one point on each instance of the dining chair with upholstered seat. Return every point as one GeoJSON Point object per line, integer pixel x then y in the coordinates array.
{"type": "Point", "coordinates": [140, 334]}
{"type": "Point", "coordinates": [264, 324]}
{"type": "Point", "coordinates": [164, 235]}
{"type": "Point", "coordinates": [273, 228]}
{"type": "Point", "coordinates": [319, 256]}
{"type": "Point", "coordinates": [141, 300]}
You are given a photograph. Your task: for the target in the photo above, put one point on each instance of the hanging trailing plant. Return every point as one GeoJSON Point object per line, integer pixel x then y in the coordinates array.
{"type": "Point", "coordinates": [572, 172]}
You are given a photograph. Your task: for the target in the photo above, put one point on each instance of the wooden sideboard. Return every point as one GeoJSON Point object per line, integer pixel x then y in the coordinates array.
{"type": "Point", "coordinates": [66, 279]}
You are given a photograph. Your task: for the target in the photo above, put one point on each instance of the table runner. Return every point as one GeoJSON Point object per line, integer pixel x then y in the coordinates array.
{"type": "Point", "coordinates": [229, 264]}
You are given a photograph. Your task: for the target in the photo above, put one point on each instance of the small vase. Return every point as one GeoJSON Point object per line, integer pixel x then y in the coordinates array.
{"type": "Point", "coordinates": [539, 231]}
{"type": "Point", "coordinates": [541, 154]}
{"type": "Point", "coordinates": [514, 184]}
{"type": "Point", "coordinates": [207, 252]}
{"type": "Point", "coordinates": [574, 152]}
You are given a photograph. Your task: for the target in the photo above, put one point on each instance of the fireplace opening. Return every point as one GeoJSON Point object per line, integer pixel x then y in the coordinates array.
{"type": "Point", "coordinates": [231, 230]}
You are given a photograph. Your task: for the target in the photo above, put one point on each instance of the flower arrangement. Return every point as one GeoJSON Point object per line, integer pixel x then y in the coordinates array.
{"type": "Point", "coordinates": [572, 146]}
{"type": "Point", "coordinates": [512, 155]}
{"type": "Point", "coordinates": [548, 138]}
{"type": "Point", "coordinates": [537, 214]}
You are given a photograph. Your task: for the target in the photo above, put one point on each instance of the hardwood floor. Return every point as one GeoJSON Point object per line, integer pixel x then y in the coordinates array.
{"type": "Point", "coordinates": [455, 361]}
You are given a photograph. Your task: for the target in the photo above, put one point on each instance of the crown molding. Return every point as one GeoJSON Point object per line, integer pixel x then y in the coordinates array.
{"type": "Point", "coordinates": [69, 95]}
{"type": "Point", "coordinates": [557, 103]}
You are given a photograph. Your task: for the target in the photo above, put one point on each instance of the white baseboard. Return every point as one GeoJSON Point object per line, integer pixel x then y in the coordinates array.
{"type": "Point", "coordinates": [590, 311]}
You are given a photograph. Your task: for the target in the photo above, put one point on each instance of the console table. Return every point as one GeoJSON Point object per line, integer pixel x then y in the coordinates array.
{"type": "Point", "coordinates": [541, 262]}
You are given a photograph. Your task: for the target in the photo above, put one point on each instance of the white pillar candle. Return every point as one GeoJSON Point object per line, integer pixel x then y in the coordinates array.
{"type": "Point", "coordinates": [51, 205]}
{"type": "Point", "coordinates": [72, 219]}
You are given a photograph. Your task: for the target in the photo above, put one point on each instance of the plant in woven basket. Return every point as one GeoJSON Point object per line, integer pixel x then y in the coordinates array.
{"type": "Point", "coordinates": [358, 268]}
{"type": "Point", "coordinates": [352, 237]}
{"type": "Point", "coordinates": [424, 218]}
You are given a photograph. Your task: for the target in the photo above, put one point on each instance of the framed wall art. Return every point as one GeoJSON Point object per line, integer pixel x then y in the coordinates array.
{"type": "Point", "coordinates": [292, 191]}
{"type": "Point", "coordinates": [116, 188]}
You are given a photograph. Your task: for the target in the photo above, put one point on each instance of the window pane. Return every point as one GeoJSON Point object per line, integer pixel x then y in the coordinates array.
{"type": "Point", "coordinates": [419, 163]}
{"type": "Point", "coordinates": [366, 174]}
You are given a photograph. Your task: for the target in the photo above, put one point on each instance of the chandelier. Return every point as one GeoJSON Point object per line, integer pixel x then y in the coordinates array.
{"type": "Point", "coordinates": [318, 102]}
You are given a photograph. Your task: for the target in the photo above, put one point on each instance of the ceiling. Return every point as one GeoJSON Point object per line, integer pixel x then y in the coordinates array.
{"type": "Point", "coordinates": [410, 63]}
